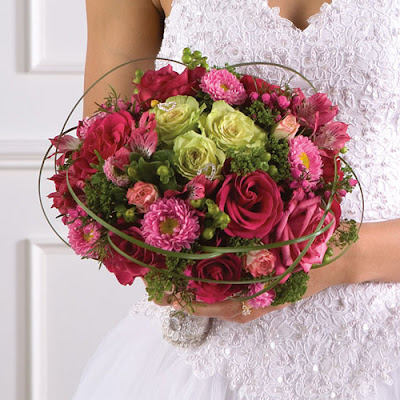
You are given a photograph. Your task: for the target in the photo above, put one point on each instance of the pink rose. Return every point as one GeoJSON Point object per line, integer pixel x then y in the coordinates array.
{"type": "Point", "coordinates": [260, 263]}
{"type": "Point", "coordinates": [164, 83]}
{"type": "Point", "coordinates": [287, 128]}
{"type": "Point", "coordinates": [105, 135]}
{"type": "Point", "coordinates": [227, 267]}
{"type": "Point", "coordinates": [253, 202]}
{"type": "Point", "coordinates": [126, 271]}
{"type": "Point", "coordinates": [142, 195]}
{"type": "Point", "coordinates": [300, 218]}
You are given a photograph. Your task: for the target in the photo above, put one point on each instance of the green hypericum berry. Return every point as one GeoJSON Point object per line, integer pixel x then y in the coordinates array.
{"type": "Point", "coordinates": [162, 171]}
{"type": "Point", "coordinates": [197, 55]}
{"type": "Point", "coordinates": [208, 233]}
{"type": "Point", "coordinates": [187, 59]}
{"type": "Point", "coordinates": [213, 209]}
{"type": "Point", "coordinates": [329, 252]}
{"type": "Point", "coordinates": [129, 215]}
{"type": "Point", "coordinates": [196, 203]}
{"type": "Point", "coordinates": [344, 150]}
{"type": "Point", "coordinates": [272, 171]}
{"type": "Point", "coordinates": [326, 259]}
{"type": "Point", "coordinates": [266, 157]}
{"type": "Point", "coordinates": [133, 173]}
{"type": "Point", "coordinates": [223, 219]}
{"type": "Point", "coordinates": [187, 50]}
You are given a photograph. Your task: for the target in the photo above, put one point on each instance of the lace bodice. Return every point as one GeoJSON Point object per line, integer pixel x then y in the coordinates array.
{"type": "Point", "coordinates": [350, 50]}
{"type": "Point", "coordinates": [336, 344]}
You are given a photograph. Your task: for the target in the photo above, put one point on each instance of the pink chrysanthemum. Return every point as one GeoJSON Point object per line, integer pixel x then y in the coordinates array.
{"type": "Point", "coordinates": [220, 84]}
{"type": "Point", "coordinates": [170, 224]}
{"type": "Point", "coordinates": [83, 238]}
{"type": "Point", "coordinates": [305, 163]}
{"type": "Point", "coordinates": [263, 300]}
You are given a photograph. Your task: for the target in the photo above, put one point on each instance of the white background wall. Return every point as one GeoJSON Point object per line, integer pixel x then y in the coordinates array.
{"type": "Point", "coordinates": [54, 308]}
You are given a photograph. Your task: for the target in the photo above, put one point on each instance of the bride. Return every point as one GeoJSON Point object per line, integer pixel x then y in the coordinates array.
{"type": "Point", "coordinates": [343, 340]}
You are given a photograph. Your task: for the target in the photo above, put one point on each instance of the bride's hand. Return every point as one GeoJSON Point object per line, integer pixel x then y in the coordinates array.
{"type": "Point", "coordinates": [374, 257]}
{"type": "Point", "coordinates": [232, 310]}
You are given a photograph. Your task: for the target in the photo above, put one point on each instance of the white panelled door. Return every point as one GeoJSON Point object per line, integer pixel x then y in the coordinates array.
{"type": "Point", "coordinates": [54, 308]}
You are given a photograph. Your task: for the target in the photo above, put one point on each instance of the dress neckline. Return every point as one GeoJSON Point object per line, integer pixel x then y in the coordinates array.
{"type": "Point", "coordinates": [276, 10]}
{"type": "Point", "coordinates": [310, 20]}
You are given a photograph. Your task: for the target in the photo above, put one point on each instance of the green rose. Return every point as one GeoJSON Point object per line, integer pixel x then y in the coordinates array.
{"type": "Point", "coordinates": [230, 128]}
{"type": "Point", "coordinates": [195, 152]}
{"type": "Point", "coordinates": [179, 116]}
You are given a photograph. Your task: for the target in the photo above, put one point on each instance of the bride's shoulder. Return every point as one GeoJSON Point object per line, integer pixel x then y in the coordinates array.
{"type": "Point", "coordinates": [163, 6]}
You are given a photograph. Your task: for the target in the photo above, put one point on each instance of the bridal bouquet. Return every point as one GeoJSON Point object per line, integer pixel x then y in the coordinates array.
{"type": "Point", "coordinates": [209, 184]}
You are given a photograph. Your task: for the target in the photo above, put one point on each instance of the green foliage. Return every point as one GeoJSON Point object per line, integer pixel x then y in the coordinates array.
{"type": "Point", "coordinates": [167, 280]}
{"type": "Point", "coordinates": [345, 234]}
{"type": "Point", "coordinates": [102, 196]}
{"type": "Point", "coordinates": [245, 160]}
{"type": "Point", "coordinates": [292, 290]}
{"type": "Point", "coordinates": [279, 150]}
{"type": "Point", "coordinates": [236, 241]}
{"type": "Point", "coordinates": [263, 116]}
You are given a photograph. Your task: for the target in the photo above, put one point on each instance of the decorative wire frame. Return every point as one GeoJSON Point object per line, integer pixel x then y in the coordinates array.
{"type": "Point", "coordinates": [209, 252]}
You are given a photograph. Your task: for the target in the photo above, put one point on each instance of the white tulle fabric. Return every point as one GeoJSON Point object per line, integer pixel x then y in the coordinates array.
{"type": "Point", "coordinates": [343, 343]}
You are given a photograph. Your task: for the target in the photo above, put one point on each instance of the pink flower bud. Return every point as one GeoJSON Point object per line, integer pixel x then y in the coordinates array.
{"type": "Point", "coordinates": [287, 128]}
{"type": "Point", "coordinates": [254, 96]}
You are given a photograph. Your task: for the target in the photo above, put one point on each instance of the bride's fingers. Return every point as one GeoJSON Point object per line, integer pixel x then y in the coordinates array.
{"type": "Point", "coordinates": [223, 309]}
{"type": "Point", "coordinates": [228, 310]}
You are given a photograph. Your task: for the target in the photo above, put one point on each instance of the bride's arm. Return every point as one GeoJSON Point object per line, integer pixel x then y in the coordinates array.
{"type": "Point", "coordinates": [119, 31]}
{"type": "Point", "coordinates": [374, 257]}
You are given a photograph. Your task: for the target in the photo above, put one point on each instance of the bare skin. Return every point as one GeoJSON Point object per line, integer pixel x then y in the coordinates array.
{"type": "Point", "coordinates": [127, 30]}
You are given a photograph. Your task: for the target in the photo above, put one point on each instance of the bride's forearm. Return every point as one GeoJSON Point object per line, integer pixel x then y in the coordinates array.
{"type": "Point", "coordinates": [377, 252]}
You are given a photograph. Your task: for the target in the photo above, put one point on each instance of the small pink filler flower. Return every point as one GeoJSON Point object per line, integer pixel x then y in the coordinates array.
{"type": "Point", "coordinates": [263, 300]}
{"type": "Point", "coordinates": [170, 224]}
{"type": "Point", "coordinates": [220, 84]}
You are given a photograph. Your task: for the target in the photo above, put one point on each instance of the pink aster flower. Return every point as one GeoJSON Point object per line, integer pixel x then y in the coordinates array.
{"type": "Point", "coordinates": [170, 224]}
{"type": "Point", "coordinates": [114, 168]}
{"type": "Point", "coordinates": [305, 163]}
{"type": "Point", "coordinates": [221, 84]}
{"type": "Point", "coordinates": [332, 136]}
{"type": "Point", "coordinates": [83, 238]}
{"type": "Point", "coordinates": [263, 300]}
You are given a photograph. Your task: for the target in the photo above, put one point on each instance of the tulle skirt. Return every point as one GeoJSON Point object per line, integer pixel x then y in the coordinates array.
{"type": "Point", "coordinates": [135, 362]}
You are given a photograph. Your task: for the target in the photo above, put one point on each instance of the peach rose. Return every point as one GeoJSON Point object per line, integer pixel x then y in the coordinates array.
{"type": "Point", "coordinates": [287, 128]}
{"type": "Point", "coordinates": [260, 263]}
{"type": "Point", "coordinates": [142, 195]}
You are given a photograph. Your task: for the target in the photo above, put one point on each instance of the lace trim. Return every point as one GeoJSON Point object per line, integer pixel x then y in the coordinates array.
{"type": "Point", "coordinates": [336, 344]}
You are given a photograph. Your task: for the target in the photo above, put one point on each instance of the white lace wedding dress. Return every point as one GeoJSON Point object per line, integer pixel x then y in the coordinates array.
{"type": "Point", "coordinates": [343, 343]}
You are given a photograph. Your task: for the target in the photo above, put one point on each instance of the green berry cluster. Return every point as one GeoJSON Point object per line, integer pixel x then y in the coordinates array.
{"type": "Point", "coordinates": [195, 59]}
{"type": "Point", "coordinates": [279, 168]}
